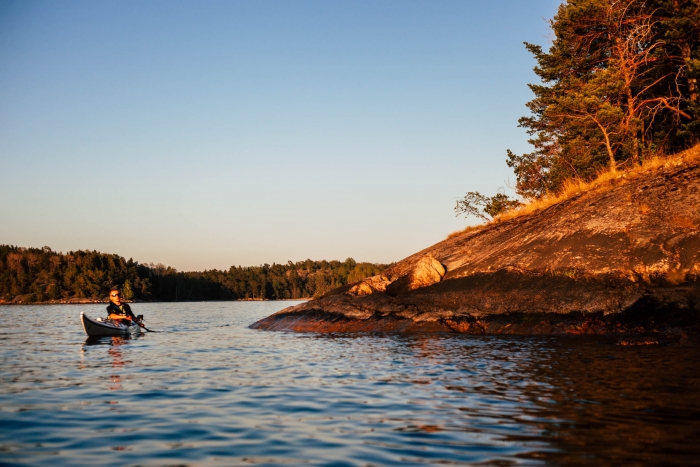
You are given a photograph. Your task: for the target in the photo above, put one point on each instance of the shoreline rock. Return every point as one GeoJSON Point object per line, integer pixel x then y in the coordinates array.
{"type": "Point", "coordinates": [619, 259]}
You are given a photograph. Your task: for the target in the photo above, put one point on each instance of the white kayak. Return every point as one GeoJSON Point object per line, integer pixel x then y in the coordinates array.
{"type": "Point", "coordinates": [107, 327]}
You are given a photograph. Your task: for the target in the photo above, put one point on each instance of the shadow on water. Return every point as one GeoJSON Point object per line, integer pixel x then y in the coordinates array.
{"type": "Point", "coordinates": [114, 342]}
{"type": "Point", "coordinates": [111, 340]}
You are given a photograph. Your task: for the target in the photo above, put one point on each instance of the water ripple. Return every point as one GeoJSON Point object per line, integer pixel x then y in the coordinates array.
{"type": "Point", "coordinates": [214, 393]}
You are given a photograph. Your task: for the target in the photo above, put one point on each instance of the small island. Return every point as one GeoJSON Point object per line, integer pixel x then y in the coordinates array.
{"type": "Point", "coordinates": [603, 236]}
{"type": "Point", "coordinates": [621, 256]}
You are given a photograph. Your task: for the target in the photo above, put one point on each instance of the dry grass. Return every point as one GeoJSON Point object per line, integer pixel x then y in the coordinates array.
{"type": "Point", "coordinates": [605, 180]}
{"type": "Point", "coordinates": [683, 222]}
{"type": "Point", "coordinates": [471, 228]}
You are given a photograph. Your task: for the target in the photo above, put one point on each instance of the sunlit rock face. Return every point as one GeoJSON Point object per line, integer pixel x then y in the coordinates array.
{"type": "Point", "coordinates": [426, 272]}
{"type": "Point", "coordinates": [623, 258]}
{"type": "Point", "coordinates": [366, 286]}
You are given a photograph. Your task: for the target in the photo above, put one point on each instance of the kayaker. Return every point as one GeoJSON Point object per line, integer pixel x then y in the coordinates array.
{"type": "Point", "coordinates": [117, 310]}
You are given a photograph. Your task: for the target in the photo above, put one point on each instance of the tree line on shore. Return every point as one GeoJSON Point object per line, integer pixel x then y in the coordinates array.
{"type": "Point", "coordinates": [41, 274]}
{"type": "Point", "coordinates": [619, 84]}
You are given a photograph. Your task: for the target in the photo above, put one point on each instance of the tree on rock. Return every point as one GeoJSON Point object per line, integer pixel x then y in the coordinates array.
{"type": "Point", "coordinates": [484, 207]}
{"type": "Point", "coordinates": [619, 83]}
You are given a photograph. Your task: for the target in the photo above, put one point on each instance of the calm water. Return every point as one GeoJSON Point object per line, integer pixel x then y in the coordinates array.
{"type": "Point", "coordinates": [212, 392]}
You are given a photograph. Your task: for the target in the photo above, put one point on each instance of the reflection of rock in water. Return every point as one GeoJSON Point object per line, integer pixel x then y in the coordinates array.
{"type": "Point", "coordinates": [610, 405]}
{"type": "Point", "coordinates": [563, 401]}
{"type": "Point", "coordinates": [593, 264]}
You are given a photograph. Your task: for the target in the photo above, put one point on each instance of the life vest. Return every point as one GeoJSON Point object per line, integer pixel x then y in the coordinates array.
{"type": "Point", "coordinates": [120, 312]}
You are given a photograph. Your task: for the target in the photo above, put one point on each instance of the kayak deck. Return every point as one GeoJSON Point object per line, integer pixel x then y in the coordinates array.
{"type": "Point", "coordinates": [100, 327]}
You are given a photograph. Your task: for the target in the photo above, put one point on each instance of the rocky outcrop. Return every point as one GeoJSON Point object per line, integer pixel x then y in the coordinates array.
{"type": "Point", "coordinates": [426, 272]}
{"type": "Point", "coordinates": [367, 286]}
{"type": "Point", "coordinates": [620, 258]}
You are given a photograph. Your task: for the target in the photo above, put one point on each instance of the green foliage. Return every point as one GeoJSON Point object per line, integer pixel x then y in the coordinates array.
{"type": "Point", "coordinates": [483, 207]}
{"type": "Point", "coordinates": [42, 274]}
{"type": "Point", "coordinates": [500, 203]}
{"type": "Point", "coordinates": [619, 83]}
{"type": "Point", "coordinates": [127, 291]}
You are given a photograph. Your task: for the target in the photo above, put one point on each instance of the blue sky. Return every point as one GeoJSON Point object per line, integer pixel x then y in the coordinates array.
{"type": "Point", "coordinates": [209, 134]}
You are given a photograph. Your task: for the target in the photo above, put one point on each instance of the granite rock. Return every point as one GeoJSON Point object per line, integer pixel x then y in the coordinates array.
{"type": "Point", "coordinates": [620, 258]}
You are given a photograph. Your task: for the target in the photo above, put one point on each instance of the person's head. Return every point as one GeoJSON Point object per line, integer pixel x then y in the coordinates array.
{"type": "Point", "coordinates": [115, 296]}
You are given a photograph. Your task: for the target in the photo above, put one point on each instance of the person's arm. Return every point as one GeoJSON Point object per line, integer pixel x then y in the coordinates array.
{"type": "Point", "coordinates": [112, 311]}
{"type": "Point", "coordinates": [129, 313]}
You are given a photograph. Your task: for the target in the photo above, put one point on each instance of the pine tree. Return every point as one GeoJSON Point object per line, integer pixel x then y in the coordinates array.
{"type": "Point", "coordinates": [127, 290]}
{"type": "Point", "coordinates": [618, 84]}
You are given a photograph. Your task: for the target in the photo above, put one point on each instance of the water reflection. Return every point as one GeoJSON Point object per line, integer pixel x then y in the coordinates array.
{"type": "Point", "coordinates": [110, 340]}
{"type": "Point", "coordinates": [116, 353]}
{"type": "Point", "coordinates": [620, 405]}
{"type": "Point", "coordinates": [118, 361]}
{"type": "Point", "coordinates": [568, 401]}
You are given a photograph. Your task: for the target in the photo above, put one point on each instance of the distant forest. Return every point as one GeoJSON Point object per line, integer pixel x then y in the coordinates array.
{"type": "Point", "coordinates": [41, 274]}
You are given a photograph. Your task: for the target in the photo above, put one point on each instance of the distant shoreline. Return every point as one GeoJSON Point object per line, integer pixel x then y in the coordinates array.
{"type": "Point", "coordinates": [86, 301]}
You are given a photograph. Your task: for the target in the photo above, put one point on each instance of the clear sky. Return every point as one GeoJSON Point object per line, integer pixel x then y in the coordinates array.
{"type": "Point", "coordinates": [205, 134]}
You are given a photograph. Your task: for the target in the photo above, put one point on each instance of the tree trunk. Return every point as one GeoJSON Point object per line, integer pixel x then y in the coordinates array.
{"type": "Point", "coordinates": [692, 82]}
{"type": "Point", "coordinates": [608, 145]}
{"type": "Point", "coordinates": [630, 118]}
{"type": "Point", "coordinates": [611, 155]}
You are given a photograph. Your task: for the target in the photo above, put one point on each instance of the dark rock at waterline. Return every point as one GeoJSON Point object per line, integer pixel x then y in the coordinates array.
{"type": "Point", "coordinates": [623, 258]}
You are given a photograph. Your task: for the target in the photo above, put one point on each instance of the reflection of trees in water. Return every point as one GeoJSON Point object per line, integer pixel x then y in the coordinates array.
{"type": "Point", "coordinates": [612, 405]}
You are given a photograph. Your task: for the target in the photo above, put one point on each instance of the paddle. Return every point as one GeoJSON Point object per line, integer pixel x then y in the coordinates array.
{"type": "Point", "coordinates": [144, 327]}
{"type": "Point", "coordinates": [138, 321]}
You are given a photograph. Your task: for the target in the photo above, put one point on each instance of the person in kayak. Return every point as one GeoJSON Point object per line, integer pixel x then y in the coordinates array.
{"type": "Point", "coordinates": [117, 310]}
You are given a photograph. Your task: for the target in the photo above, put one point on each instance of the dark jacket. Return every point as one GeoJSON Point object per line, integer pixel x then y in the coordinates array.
{"type": "Point", "coordinates": [123, 310]}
